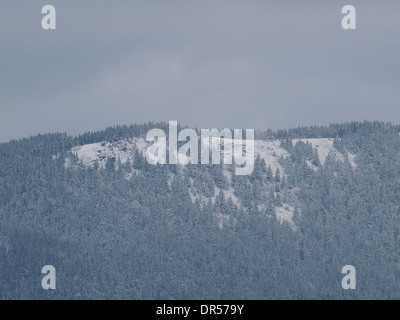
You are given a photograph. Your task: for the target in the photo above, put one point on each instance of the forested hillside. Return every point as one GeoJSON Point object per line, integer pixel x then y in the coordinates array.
{"type": "Point", "coordinates": [319, 198]}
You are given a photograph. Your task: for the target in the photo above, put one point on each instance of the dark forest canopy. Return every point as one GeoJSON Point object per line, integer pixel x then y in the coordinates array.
{"type": "Point", "coordinates": [134, 231]}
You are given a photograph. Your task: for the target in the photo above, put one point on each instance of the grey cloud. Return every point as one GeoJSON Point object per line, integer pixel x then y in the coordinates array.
{"type": "Point", "coordinates": [253, 64]}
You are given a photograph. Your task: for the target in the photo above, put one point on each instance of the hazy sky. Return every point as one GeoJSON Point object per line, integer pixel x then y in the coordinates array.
{"type": "Point", "coordinates": [235, 64]}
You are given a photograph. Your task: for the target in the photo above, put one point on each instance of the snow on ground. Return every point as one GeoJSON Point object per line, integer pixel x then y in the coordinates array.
{"type": "Point", "coordinates": [222, 219]}
{"type": "Point", "coordinates": [324, 147]}
{"type": "Point", "coordinates": [230, 193]}
{"type": "Point", "coordinates": [352, 161]}
{"type": "Point", "coordinates": [285, 213]}
{"type": "Point", "coordinates": [271, 152]}
{"type": "Point", "coordinates": [122, 150]}
{"type": "Point", "coordinates": [193, 196]}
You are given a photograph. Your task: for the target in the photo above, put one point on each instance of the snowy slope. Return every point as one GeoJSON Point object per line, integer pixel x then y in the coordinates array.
{"type": "Point", "coordinates": [270, 150]}
{"type": "Point", "coordinates": [324, 147]}
{"type": "Point", "coordinates": [285, 213]}
{"type": "Point", "coordinates": [122, 150]}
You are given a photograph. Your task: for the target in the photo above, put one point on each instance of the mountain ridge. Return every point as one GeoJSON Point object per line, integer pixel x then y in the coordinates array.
{"type": "Point", "coordinates": [200, 231]}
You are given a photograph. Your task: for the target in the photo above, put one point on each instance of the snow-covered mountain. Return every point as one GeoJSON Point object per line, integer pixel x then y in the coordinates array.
{"type": "Point", "coordinates": [270, 150]}
{"type": "Point", "coordinates": [118, 227]}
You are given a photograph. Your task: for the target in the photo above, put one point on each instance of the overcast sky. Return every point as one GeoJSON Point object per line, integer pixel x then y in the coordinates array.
{"type": "Point", "coordinates": [236, 64]}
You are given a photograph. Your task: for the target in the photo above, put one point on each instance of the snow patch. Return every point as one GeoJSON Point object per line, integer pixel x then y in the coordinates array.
{"type": "Point", "coordinates": [122, 150]}
{"type": "Point", "coordinates": [222, 219]}
{"type": "Point", "coordinates": [285, 213]}
{"type": "Point", "coordinates": [352, 158]}
{"type": "Point", "coordinates": [271, 152]}
{"type": "Point", "coordinates": [230, 193]}
{"type": "Point", "coordinates": [324, 147]}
